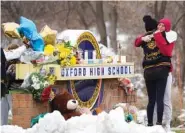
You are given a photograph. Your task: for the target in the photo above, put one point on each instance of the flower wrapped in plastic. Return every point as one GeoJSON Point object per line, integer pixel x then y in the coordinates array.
{"type": "Point", "coordinates": [30, 55]}
{"type": "Point", "coordinates": [66, 54]}
{"type": "Point", "coordinates": [126, 84]}
{"type": "Point", "coordinates": [51, 78]}
{"type": "Point", "coordinates": [38, 83]}
{"type": "Point", "coordinates": [48, 94]}
{"type": "Point", "coordinates": [49, 50]}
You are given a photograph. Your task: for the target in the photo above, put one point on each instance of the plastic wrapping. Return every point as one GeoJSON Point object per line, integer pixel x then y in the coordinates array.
{"type": "Point", "coordinates": [30, 55]}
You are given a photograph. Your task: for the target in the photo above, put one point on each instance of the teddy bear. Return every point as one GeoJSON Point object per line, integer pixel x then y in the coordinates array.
{"type": "Point", "coordinates": [65, 104]}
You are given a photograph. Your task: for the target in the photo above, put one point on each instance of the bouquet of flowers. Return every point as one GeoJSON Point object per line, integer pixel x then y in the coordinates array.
{"type": "Point", "coordinates": [63, 51]}
{"type": "Point", "coordinates": [66, 54]}
{"type": "Point", "coordinates": [37, 83]}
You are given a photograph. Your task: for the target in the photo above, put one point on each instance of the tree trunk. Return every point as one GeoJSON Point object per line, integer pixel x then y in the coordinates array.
{"type": "Point", "coordinates": [113, 27]}
{"type": "Point", "coordinates": [179, 77]}
{"type": "Point", "coordinates": [100, 22]}
{"type": "Point", "coordinates": [183, 56]}
{"type": "Point", "coordinates": [159, 13]}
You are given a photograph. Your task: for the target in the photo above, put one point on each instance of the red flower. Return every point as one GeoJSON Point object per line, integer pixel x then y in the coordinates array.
{"type": "Point", "coordinates": [46, 94]}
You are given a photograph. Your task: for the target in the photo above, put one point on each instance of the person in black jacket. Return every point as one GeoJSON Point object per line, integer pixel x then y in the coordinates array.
{"type": "Point", "coordinates": [7, 55]}
{"type": "Point", "coordinates": [157, 48]}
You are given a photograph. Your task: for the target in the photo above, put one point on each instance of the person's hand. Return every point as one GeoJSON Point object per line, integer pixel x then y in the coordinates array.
{"type": "Point", "coordinates": [26, 42]}
{"type": "Point", "coordinates": [146, 38]}
{"type": "Point", "coordinates": [157, 31]}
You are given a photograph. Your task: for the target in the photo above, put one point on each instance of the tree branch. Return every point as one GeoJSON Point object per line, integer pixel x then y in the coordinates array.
{"type": "Point", "coordinates": [82, 19]}
{"type": "Point", "coordinates": [179, 35]}
{"type": "Point", "coordinates": [91, 7]}
{"type": "Point", "coordinates": [68, 13]}
{"type": "Point", "coordinates": [156, 9]}
{"type": "Point", "coordinates": [178, 20]}
{"type": "Point", "coordinates": [180, 6]}
{"type": "Point", "coordinates": [162, 9]}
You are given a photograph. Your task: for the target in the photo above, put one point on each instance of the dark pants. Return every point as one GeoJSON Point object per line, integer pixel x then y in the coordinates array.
{"type": "Point", "coordinates": [155, 90]}
{"type": "Point", "coordinates": [156, 79]}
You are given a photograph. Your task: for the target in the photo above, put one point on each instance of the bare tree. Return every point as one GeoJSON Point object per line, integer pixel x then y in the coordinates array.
{"type": "Point", "coordinates": [113, 17]}
{"type": "Point", "coordinates": [100, 22]}
{"type": "Point", "coordinates": [80, 12]}
{"type": "Point", "coordinates": [159, 9]}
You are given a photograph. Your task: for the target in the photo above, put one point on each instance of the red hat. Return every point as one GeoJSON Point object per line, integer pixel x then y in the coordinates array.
{"type": "Point", "coordinates": [166, 23]}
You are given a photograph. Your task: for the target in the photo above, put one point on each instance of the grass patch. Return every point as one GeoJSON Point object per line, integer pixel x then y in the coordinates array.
{"type": "Point", "coordinates": [20, 91]}
{"type": "Point", "coordinates": [180, 131]}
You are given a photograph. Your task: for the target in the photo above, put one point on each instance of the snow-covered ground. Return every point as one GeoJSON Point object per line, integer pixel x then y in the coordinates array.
{"type": "Point", "coordinates": [112, 122]}
{"type": "Point", "coordinates": [181, 117]}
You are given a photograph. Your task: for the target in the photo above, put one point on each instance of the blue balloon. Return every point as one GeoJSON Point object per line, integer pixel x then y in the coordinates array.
{"type": "Point", "coordinates": [29, 30]}
{"type": "Point", "coordinates": [37, 45]}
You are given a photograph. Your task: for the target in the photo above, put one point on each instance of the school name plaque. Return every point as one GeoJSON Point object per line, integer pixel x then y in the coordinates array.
{"type": "Point", "coordinates": [97, 72]}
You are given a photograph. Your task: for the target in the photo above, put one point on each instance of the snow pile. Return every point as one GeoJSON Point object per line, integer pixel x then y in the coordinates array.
{"type": "Point", "coordinates": [181, 117]}
{"type": "Point", "coordinates": [112, 122]}
{"type": "Point", "coordinates": [12, 129]}
{"type": "Point", "coordinates": [142, 117]}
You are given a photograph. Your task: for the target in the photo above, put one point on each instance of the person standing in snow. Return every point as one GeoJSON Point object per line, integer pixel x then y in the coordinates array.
{"type": "Point", "coordinates": [7, 55]}
{"type": "Point", "coordinates": [171, 37]}
{"type": "Point", "coordinates": [157, 46]}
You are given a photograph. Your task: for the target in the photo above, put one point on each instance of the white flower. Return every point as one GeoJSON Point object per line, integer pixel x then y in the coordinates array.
{"type": "Point", "coordinates": [36, 86]}
{"type": "Point", "coordinates": [46, 83]}
{"type": "Point", "coordinates": [35, 79]}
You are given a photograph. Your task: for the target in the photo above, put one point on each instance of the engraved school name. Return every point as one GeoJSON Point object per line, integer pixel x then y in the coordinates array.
{"type": "Point", "coordinates": [97, 71]}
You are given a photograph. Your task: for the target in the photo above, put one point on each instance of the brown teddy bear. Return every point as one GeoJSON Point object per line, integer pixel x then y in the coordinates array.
{"type": "Point", "coordinates": [66, 104]}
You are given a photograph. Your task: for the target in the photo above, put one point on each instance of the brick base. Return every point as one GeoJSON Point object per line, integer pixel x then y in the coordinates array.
{"type": "Point", "coordinates": [24, 108]}
{"type": "Point", "coordinates": [113, 94]}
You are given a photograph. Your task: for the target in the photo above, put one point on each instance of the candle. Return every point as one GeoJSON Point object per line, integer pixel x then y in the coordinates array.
{"type": "Point", "coordinates": [86, 55]}
{"type": "Point", "coordinates": [94, 54]}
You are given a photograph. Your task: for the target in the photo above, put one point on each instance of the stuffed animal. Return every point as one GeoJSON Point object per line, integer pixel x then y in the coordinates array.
{"type": "Point", "coordinates": [66, 104]}
{"type": "Point", "coordinates": [126, 84]}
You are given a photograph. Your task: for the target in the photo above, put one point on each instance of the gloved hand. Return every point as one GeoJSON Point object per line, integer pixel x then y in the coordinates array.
{"type": "Point", "coordinates": [146, 38]}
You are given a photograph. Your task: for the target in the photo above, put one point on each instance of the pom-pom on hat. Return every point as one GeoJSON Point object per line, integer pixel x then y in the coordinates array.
{"type": "Point", "coordinates": [150, 23]}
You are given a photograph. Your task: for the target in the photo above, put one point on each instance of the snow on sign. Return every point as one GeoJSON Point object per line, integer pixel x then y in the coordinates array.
{"type": "Point", "coordinates": [98, 72]}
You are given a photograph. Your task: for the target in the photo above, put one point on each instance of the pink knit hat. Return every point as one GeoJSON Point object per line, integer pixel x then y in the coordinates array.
{"type": "Point", "coordinates": [166, 23]}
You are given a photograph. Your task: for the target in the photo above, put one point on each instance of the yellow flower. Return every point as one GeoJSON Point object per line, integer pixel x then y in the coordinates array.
{"type": "Point", "coordinates": [65, 62]}
{"type": "Point", "coordinates": [64, 52]}
{"type": "Point", "coordinates": [59, 46]}
{"type": "Point", "coordinates": [52, 79]}
{"type": "Point", "coordinates": [73, 60]}
{"type": "Point", "coordinates": [49, 49]}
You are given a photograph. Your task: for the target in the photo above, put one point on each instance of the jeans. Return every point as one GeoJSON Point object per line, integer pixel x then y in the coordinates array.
{"type": "Point", "coordinates": [6, 105]}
